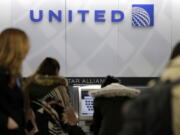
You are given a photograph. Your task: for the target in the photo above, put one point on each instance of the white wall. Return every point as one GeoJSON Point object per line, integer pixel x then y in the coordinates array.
{"type": "Point", "coordinates": [92, 49]}
{"type": "Point", "coordinates": [176, 21]}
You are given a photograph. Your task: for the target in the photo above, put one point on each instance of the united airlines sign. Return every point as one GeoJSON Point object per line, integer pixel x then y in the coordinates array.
{"type": "Point", "coordinates": [142, 15]}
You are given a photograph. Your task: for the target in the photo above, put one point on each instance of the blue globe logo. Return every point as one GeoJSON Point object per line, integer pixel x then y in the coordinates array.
{"type": "Point", "coordinates": [140, 17]}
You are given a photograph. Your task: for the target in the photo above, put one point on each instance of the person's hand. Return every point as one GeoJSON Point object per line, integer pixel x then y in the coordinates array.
{"type": "Point", "coordinates": [55, 102]}
{"type": "Point", "coordinates": [70, 117]}
{"type": "Point", "coordinates": [32, 132]}
{"type": "Point", "coordinates": [12, 124]}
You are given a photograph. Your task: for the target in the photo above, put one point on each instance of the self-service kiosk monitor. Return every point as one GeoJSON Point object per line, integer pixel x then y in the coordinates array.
{"type": "Point", "coordinates": [86, 102]}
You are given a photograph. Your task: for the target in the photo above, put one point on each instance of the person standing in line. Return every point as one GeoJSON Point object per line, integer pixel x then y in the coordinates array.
{"type": "Point", "coordinates": [47, 89]}
{"type": "Point", "coordinates": [157, 111]}
{"type": "Point", "coordinates": [14, 46]}
{"type": "Point", "coordinates": [109, 105]}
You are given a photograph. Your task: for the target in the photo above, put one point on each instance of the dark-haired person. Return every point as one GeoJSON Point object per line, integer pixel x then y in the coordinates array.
{"type": "Point", "coordinates": [176, 51]}
{"type": "Point", "coordinates": [108, 106]}
{"type": "Point", "coordinates": [157, 112]}
{"type": "Point", "coordinates": [14, 46]}
{"type": "Point", "coordinates": [47, 91]}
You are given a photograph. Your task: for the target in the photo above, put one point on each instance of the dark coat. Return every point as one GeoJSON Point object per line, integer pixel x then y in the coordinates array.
{"type": "Point", "coordinates": [108, 106]}
{"type": "Point", "coordinates": [107, 115]}
{"type": "Point", "coordinates": [151, 113]}
{"type": "Point", "coordinates": [11, 104]}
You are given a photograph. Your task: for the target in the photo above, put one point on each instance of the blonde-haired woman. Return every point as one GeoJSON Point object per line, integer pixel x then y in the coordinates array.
{"type": "Point", "coordinates": [14, 46]}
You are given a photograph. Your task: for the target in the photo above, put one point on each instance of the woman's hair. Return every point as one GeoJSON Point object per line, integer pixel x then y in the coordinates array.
{"type": "Point", "coordinates": [49, 66]}
{"type": "Point", "coordinates": [109, 80]}
{"type": "Point", "coordinates": [14, 45]}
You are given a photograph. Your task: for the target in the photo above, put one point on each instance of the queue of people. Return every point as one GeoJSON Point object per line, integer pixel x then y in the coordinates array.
{"type": "Point", "coordinates": [40, 104]}
{"type": "Point", "coordinates": [37, 105]}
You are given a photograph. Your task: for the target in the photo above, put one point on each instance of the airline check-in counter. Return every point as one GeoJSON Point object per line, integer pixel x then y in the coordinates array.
{"type": "Point", "coordinates": [82, 103]}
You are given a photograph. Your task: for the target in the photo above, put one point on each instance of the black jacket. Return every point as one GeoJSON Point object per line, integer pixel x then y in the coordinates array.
{"type": "Point", "coordinates": [151, 113]}
{"type": "Point", "coordinates": [108, 106]}
{"type": "Point", "coordinates": [107, 115]}
{"type": "Point", "coordinates": [11, 104]}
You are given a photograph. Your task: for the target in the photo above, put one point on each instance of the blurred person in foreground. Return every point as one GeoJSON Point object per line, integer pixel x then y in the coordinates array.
{"type": "Point", "coordinates": [157, 112]}
{"type": "Point", "coordinates": [14, 46]}
{"type": "Point", "coordinates": [50, 100]}
{"type": "Point", "coordinates": [108, 106]}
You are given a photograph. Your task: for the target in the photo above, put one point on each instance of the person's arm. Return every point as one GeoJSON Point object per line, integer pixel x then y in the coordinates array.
{"type": "Point", "coordinates": [69, 114]}
{"type": "Point", "coordinates": [60, 94]}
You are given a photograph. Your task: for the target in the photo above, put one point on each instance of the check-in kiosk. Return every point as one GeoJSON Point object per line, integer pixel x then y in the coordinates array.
{"type": "Point", "coordinates": [83, 105]}
{"type": "Point", "coordinates": [86, 102]}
